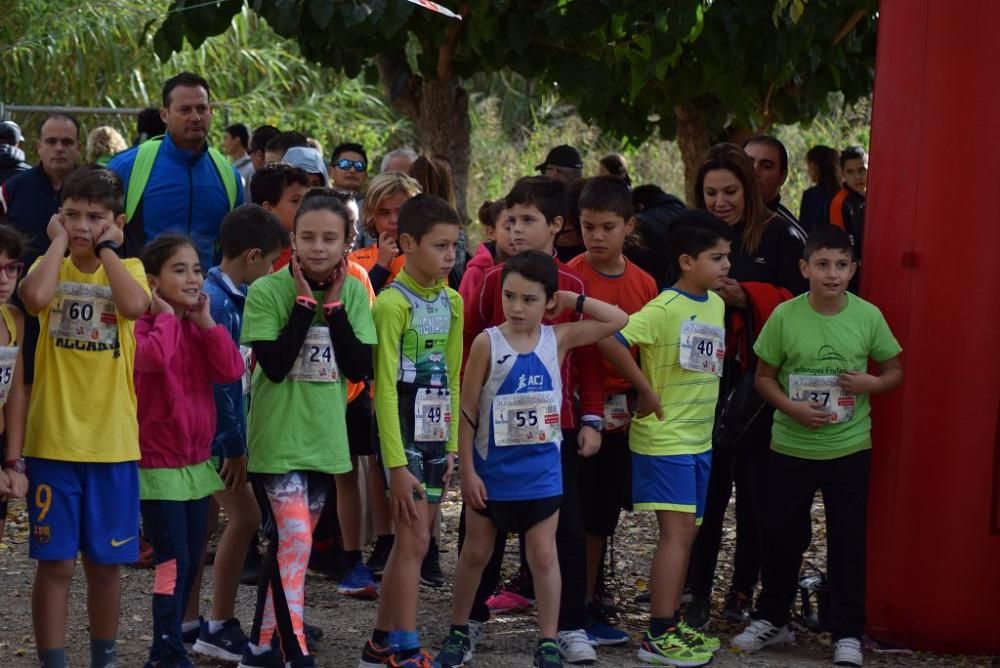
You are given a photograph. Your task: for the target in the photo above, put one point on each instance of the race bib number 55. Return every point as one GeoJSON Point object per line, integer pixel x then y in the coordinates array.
{"type": "Point", "coordinates": [529, 418]}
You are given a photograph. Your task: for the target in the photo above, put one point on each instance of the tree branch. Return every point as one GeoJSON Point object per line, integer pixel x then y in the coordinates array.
{"type": "Point", "coordinates": [446, 54]}
{"type": "Point", "coordinates": [849, 25]}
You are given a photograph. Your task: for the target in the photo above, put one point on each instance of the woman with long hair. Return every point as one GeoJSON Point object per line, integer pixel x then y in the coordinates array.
{"type": "Point", "coordinates": [823, 164]}
{"type": "Point", "coordinates": [766, 249]}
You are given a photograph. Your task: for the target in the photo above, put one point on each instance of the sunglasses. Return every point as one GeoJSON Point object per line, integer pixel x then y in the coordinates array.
{"type": "Point", "coordinates": [12, 269]}
{"type": "Point", "coordinates": [345, 164]}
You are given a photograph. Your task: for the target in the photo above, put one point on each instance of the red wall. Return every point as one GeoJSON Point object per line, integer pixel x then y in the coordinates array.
{"type": "Point", "coordinates": [932, 265]}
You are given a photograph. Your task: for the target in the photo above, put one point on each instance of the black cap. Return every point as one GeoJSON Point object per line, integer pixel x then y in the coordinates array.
{"type": "Point", "coordinates": [562, 156]}
{"type": "Point", "coordinates": [10, 133]}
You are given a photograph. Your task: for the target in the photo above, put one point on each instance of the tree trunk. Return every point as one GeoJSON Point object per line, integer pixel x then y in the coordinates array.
{"type": "Point", "coordinates": [693, 141]}
{"type": "Point", "coordinates": [439, 109]}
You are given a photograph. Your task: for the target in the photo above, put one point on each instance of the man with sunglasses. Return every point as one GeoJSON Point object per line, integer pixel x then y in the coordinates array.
{"type": "Point", "coordinates": [349, 167]}
{"type": "Point", "coordinates": [29, 199]}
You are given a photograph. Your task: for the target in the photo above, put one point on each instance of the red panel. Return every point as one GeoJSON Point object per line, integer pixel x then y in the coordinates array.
{"type": "Point", "coordinates": [932, 265]}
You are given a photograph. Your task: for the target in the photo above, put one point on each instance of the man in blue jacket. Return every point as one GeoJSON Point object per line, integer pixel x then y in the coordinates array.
{"type": "Point", "coordinates": [178, 183]}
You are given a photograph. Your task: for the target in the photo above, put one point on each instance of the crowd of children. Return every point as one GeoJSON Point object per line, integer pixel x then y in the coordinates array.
{"type": "Point", "coordinates": [558, 394]}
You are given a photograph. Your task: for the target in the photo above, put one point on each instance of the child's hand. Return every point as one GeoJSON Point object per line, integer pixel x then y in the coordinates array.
{"type": "Point", "coordinates": [302, 288]}
{"type": "Point", "coordinates": [473, 490]}
{"type": "Point", "coordinates": [234, 472]}
{"type": "Point", "coordinates": [588, 441]}
{"type": "Point", "coordinates": [859, 383]}
{"type": "Point", "coordinates": [809, 414]}
{"type": "Point", "coordinates": [449, 471]}
{"type": "Point", "coordinates": [110, 232]}
{"type": "Point", "coordinates": [402, 486]}
{"type": "Point", "coordinates": [18, 484]}
{"type": "Point", "coordinates": [158, 304]}
{"type": "Point", "coordinates": [338, 277]}
{"type": "Point", "coordinates": [201, 315]}
{"type": "Point", "coordinates": [649, 402]}
{"type": "Point", "coordinates": [387, 250]}
{"type": "Point", "coordinates": [564, 299]}
{"type": "Point", "coordinates": [56, 228]}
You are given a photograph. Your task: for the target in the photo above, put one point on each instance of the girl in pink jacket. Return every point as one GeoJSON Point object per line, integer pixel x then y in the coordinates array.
{"type": "Point", "coordinates": [181, 353]}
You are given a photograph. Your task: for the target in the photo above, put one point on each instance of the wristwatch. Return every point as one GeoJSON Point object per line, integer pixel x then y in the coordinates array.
{"type": "Point", "coordinates": [579, 303]}
{"type": "Point", "coordinates": [15, 465]}
{"type": "Point", "coordinates": [596, 424]}
{"type": "Point", "coordinates": [107, 243]}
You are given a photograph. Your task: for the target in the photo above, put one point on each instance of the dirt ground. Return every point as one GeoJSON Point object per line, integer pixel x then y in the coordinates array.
{"type": "Point", "coordinates": [507, 640]}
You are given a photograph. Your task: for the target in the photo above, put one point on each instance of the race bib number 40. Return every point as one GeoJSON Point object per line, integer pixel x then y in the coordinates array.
{"type": "Point", "coordinates": [529, 418]}
{"type": "Point", "coordinates": [703, 347]}
{"type": "Point", "coordinates": [84, 312]}
{"type": "Point", "coordinates": [316, 362]}
{"type": "Point", "coordinates": [825, 390]}
{"type": "Point", "coordinates": [432, 415]}
{"type": "Point", "coordinates": [8, 359]}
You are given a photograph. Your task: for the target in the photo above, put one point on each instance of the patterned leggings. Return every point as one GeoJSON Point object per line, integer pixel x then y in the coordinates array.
{"type": "Point", "coordinates": [295, 501]}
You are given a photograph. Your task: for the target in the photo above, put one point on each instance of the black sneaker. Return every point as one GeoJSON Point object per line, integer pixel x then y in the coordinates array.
{"type": "Point", "coordinates": [228, 643]}
{"type": "Point", "coordinates": [430, 571]}
{"type": "Point", "coordinates": [190, 637]}
{"type": "Point", "coordinates": [380, 554]}
{"type": "Point", "coordinates": [737, 607]}
{"type": "Point", "coordinates": [697, 612]}
{"type": "Point", "coordinates": [547, 655]}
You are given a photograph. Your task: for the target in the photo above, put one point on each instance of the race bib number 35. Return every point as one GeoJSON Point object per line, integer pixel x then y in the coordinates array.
{"type": "Point", "coordinates": [529, 418]}
{"type": "Point", "coordinates": [432, 415]}
{"type": "Point", "coordinates": [825, 390]}
{"type": "Point", "coordinates": [316, 362]}
{"type": "Point", "coordinates": [84, 312]}
{"type": "Point", "coordinates": [8, 359]}
{"type": "Point", "coordinates": [703, 347]}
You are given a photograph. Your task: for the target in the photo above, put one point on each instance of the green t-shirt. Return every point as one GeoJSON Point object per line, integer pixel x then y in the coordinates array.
{"type": "Point", "coordinates": [298, 425]}
{"type": "Point", "coordinates": [396, 358]}
{"type": "Point", "coordinates": [800, 342]}
{"type": "Point", "coordinates": [672, 325]}
{"type": "Point", "coordinates": [179, 484]}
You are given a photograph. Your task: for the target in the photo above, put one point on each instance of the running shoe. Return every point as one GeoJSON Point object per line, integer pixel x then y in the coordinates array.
{"type": "Point", "coordinates": [697, 639]}
{"type": "Point", "coordinates": [759, 634]}
{"type": "Point", "coordinates": [419, 660]}
{"type": "Point", "coordinates": [547, 655]}
{"type": "Point", "coordinates": [359, 583]}
{"type": "Point", "coordinates": [507, 602]}
{"type": "Point", "coordinates": [671, 649]}
{"type": "Point", "coordinates": [228, 643]}
{"type": "Point", "coordinates": [375, 656]}
{"type": "Point", "coordinates": [575, 647]}
{"type": "Point", "coordinates": [456, 650]}
{"type": "Point", "coordinates": [847, 652]}
{"type": "Point", "coordinates": [270, 658]}
{"type": "Point", "coordinates": [190, 637]}
{"type": "Point", "coordinates": [604, 633]}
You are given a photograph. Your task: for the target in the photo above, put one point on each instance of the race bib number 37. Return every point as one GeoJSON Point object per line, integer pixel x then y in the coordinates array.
{"type": "Point", "coordinates": [316, 362]}
{"type": "Point", "coordinates": [84, 312]}
{"type": "Point", "coordinates": [825, 390]}
{"type": "Point", "coordinates": [703, 347]}
{"type": "Point", "coordinates": [529, 418]}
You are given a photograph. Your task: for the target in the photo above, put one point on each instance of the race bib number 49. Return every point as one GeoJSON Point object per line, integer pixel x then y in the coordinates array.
{"type": "Point", "coordinates": [432, 415]}
{"type": "Point", "coordinates": [703, 347]}
{"type": "Point", "coordinates": [84, 312]}
{"type": "Point", "coordinates": [316, 362]}
{"type": "Point", "coordinates": [529, 418]}
{"type": "Point", "coordinates": [825, 390]}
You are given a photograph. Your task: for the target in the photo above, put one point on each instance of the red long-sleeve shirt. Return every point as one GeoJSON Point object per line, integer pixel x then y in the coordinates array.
{"type": "Point", "coordinates": [582, 369]}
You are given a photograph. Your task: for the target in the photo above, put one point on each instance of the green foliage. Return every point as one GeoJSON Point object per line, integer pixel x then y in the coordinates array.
{"type": "Point", "coordinates": [100, 53]}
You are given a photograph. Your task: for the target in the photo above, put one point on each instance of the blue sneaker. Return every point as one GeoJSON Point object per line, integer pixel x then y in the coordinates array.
{"type": "Point", "coordinates": [605, 634]}
{"type": "Point", "coordinates": [228, 643]}
{"type": "Point", "coordinates": [190, 637]}
{"type": "Point", "coordinates": [271, 658]}
{"type": "Point", "coordinates": [456, 650]}
{"type": "Point", "coordinates": [359, 583]}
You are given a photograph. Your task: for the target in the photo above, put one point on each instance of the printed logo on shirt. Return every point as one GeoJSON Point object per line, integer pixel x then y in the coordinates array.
{"type": "Point", "coordinates": [525, 381]}
{"type": "Point", "coordinates": [88, 346]}
{"type": "Point", "coordinates": [826, 353]}
{"type": "Point", "coordinates": [503, 360]}
{"type": "Point", "coordinates": [42, 534]}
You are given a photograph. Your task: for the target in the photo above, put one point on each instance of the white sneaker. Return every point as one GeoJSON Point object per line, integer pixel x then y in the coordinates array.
{"type": "Point", "coordinates": [847, 652]}
{"type": "Point", "coordinates": [475, 633]}
{"type": "Point", "coordinates": [575, 647]}
{"type": "Point", "coordinates": [761, 633]}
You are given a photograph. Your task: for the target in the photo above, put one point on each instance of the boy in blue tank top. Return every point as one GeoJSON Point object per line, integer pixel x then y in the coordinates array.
{"type": "Point", "coordinates": [509, 439]}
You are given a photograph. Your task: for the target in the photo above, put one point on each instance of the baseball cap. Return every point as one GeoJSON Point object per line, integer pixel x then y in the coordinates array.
{"type": "Point", "coordinates": [562, 156]}
{"type": "Point", "coordinates": [308, 160]}
{"type": "Point", "coordinates": [10, 133]}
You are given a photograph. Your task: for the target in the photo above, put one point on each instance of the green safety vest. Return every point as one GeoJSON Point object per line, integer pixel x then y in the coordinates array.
{"type": "Point", "coordinates": [143, 167]}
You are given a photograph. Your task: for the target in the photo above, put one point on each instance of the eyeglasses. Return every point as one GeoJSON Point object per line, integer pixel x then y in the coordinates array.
{"type": "Point", "coordinates": [12, 269]}
{"type": "Point", "coordinates": [345, 164]}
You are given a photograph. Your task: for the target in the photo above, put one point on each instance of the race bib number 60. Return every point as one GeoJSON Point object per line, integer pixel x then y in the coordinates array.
{"type": "Point", "coordinates": [84, 312]}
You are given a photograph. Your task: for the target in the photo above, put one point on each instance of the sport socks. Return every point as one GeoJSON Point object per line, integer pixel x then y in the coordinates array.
{"type": "Point", "coordinates": [659, 625]}
{"type": "Point", "coordinates": [52, 658]}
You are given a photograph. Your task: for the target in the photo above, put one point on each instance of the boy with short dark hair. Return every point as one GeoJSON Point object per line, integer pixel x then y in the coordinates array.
{"type": "Point", "coordinates": [82, 456]}
{"type": "Point", "coordinates": [279, 188]}
{"type": "Point", "coordinates": [681, 340]}
{"type": "Point", "coordinates": [813, 356]}
{"type": "Point", "coordinates": [418, 320]}
{"type": "Point", "coordinates": [251, 239]}
{"type": "Point", "coordinates": [847, 209]}
{"type": "Point", "coordinates": [537, 206]}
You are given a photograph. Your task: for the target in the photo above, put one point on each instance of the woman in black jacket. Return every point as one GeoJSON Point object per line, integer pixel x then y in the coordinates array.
{"type": "Point", "coordinates": [766, 250]}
